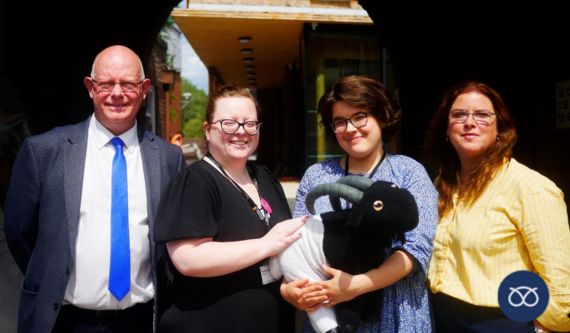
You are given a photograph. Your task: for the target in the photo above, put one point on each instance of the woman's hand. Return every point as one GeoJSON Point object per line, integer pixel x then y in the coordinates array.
{"type": "Point", "coordinates": [293, 293]}
{"type": "Point", "coordinates": [341, 288]}
{"type": "Point", "coordinates": [283, 234]}
{"type": "Point", "coordinates": [344, 287]}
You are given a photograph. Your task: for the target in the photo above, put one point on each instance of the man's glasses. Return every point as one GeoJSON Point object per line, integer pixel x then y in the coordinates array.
{"type": "Point", "coordinates": [230, 126]}
{"type": "Point", "coordinates": [481, 117]}
{"type": "Point", "coordinates": [110, 85]}
{"type": "Point", "coordinates": [357, 120]}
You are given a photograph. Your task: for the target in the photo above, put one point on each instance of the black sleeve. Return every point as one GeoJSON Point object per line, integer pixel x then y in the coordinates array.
{"type": "Point", "coordinates": [186, 209]}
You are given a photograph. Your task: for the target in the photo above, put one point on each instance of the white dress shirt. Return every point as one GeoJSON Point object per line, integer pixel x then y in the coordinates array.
{"type": "Point", "coordinates": [88, 283]}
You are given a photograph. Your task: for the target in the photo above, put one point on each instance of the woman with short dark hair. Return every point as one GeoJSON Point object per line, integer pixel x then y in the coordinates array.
{"type": "Point", "coordinates": [359, 114]}
{"type": "Point", "coordinates": [366, 93]}
{"type": "Point", "coordinates": [496, 217]}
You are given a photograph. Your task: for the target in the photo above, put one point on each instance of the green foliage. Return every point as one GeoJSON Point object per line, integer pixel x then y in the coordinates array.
{"type": "Point", "coordinates": [164, 30]}
{"type": "Point", "coordinates": [164, 35]}
{"type": "Point", "coordinates": [173, 113]}
{"type": "Point", "coordinates": [193, 110]}
{"type": "Point", "coordinates": [194, 128]}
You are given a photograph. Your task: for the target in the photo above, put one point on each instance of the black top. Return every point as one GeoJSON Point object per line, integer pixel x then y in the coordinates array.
{"type": "Point", "coordinates": [201, 203]}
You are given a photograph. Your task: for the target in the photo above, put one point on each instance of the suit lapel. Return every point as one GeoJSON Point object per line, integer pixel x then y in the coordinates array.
{"type": "Point", "coordinates": [74, 167]}
{"type": "Point", "coordinates": [152, 173]}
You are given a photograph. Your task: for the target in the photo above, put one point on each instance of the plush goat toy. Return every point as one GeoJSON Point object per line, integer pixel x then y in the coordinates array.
{"type": "Point", "coordinates": [352, 240]}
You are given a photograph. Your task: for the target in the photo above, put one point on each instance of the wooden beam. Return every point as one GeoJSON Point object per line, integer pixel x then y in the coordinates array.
{"type": "Point", "coordinates": [303, 17]}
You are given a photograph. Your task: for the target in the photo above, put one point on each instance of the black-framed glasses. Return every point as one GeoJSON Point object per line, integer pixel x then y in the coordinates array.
{"type": "Point", "coordinates": [110, 85]}
{"type": "Point", "coordinates": [357, 120]}
{"type": "Point", "coordinates": [481, 117]}
{"type": "Point", "coordinates": [230, 126]}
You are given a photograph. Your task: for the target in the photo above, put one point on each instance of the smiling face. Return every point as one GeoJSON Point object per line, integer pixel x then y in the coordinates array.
{"type": "Point", "coordinates": [472, 140]}
{"type": "Point", "coordinates": [116, 109]}
{"type": "Point", "coordinates": [358, 143]}
{"type": "Point", "coordinates": [229, 149]}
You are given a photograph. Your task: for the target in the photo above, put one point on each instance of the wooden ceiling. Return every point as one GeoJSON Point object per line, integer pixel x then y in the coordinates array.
{"type": "Point", "coordinates": [275, 40]}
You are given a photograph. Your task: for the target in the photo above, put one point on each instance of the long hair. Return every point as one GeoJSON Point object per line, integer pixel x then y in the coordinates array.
{"type": "Point", "coordinates": [365, 92]}
{"type": "Point", "coordinates": [443, 157]}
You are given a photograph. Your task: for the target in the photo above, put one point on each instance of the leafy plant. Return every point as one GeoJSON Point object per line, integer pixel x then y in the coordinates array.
{"type": "Point", "coordinates": [164, 34]}
{"type": "Point", "coordinates": [165, 27]}
{"type": "Point", "coordinates": [193, 110]}
{"type": "Point", "coordinates": [172, 111]}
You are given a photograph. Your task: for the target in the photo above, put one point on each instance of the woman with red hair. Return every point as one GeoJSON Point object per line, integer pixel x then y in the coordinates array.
{"type": "Point", "coordinates": [496, 217]}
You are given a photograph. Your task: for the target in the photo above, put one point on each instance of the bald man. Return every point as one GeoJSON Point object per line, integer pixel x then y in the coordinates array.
{"type": "Point", "coordinates": [80, 211]}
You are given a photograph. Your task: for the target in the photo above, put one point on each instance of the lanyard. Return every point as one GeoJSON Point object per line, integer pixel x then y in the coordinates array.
{"type": "Point", "coordinates": [373, 171]}
{"type": "Point", "coordinates": [263, 215]}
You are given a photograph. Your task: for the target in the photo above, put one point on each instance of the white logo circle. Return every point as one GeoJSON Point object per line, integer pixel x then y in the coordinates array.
{"type": "Point", "coordinates": [523, 297]}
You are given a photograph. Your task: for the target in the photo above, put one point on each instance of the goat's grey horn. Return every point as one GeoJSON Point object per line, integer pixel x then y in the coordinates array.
{"type": "Point", "coordinates": [358, 182]}
{"type": "Point", "coordinates": [361, 183]}
{"type": "Point", "coordinates": [348, 193]}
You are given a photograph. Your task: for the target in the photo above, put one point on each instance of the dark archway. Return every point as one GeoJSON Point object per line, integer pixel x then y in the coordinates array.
{"type": "Point", "coordinates": [48, 48]}
{"type": "Point", "coordinates": [519, 51]}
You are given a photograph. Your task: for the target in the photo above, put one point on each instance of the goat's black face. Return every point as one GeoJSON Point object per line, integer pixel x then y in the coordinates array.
{"type": "Point", "coordinates": [384, 209]}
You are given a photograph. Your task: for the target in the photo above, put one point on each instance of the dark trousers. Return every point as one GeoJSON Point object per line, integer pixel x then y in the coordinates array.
{"type": "Point", "coordinates": [455, 316]}
{"type": "Point", "coordinates": [136, 319]}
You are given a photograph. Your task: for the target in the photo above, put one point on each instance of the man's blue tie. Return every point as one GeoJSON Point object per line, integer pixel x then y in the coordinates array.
{"type": "Point", "coordinates": [120, 270]}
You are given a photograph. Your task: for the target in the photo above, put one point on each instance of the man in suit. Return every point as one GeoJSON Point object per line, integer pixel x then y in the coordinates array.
{"type": "Point", "coordinates": [80, 211]}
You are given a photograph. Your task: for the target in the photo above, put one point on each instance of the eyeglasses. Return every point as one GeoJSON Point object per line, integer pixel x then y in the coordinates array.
{"type": "Point", "coordinates": [481, 117]}
{"type": "Point", "coordinates": [230, 126]}
{"type": "Point", "coordinates": [110, 85]}
{"type": "Point", "coordinates": [357, 120]}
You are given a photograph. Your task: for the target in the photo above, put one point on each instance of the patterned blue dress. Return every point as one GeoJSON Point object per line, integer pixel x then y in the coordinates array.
{"type": "Point", "coordinates": [406, 306]}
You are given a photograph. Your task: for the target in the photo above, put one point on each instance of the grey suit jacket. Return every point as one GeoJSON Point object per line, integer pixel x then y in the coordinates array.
{"type": "Point", "coordinates": [42, 214]}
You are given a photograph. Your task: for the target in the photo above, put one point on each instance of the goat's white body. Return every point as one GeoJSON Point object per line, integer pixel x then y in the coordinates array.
{"type": "Point", "coordinates": [304, 259]}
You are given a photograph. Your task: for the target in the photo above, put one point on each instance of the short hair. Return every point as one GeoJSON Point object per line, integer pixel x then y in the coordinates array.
{"type": "Point", "coordinates": [141, 73]}
{"type": "Point", "coordinates": [227, 91]}
{"type": "Point", "coordinates": [443, 157]}
{"type": "Point", "coordinates": [365, 92]}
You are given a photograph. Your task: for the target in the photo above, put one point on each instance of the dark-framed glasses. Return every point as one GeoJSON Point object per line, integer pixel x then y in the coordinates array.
{"type": "Point", "coordinates": [230, 126]}
{"type": "Point", "coordinates": [481, 117]}
{"type": "Point", "coordinates": [357, 120]}
{"type": "Point", "coordinates": [110, 85]}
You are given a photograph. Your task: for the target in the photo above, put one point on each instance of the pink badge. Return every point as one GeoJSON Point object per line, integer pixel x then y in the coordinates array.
{"type": "Point", "coordinates": [266, 206]}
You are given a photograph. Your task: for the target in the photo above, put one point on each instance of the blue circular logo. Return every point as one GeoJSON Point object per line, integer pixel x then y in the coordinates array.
{"type": "Point", "coordinates": [523, 296]}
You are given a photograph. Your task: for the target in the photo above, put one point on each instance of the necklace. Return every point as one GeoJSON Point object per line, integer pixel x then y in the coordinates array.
{"type": "Point", "coordinates": [373, 170]}
{"type": "Point", "coordinates": [263, 212]}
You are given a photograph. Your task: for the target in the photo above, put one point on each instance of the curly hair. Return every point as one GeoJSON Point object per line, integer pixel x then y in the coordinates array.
{"type": "Point", "coordinates": [443, 157]}
{"type": "Point", "coordinates": [365, 92]}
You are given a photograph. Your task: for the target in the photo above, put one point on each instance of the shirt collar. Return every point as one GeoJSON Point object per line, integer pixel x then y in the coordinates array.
{"type": "Point", "coordinates": [102, 136]}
